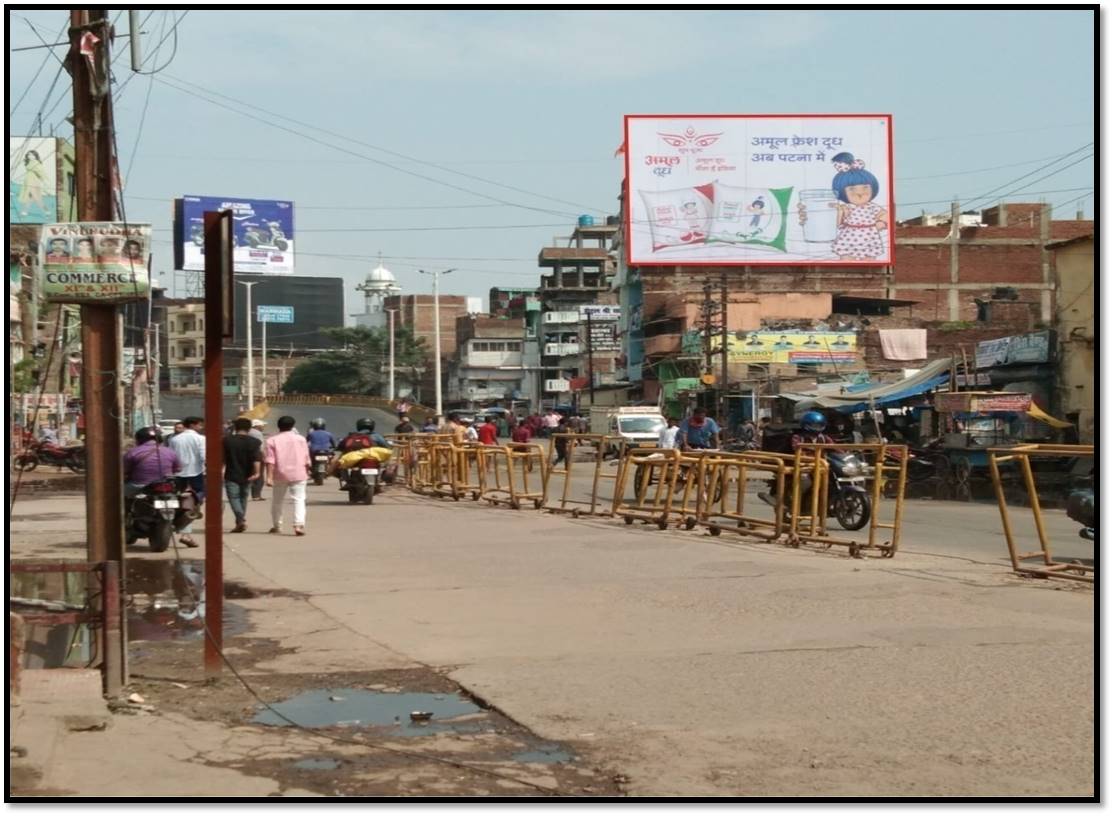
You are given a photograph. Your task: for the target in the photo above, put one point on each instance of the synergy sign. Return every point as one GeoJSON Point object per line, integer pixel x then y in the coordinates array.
{"type": "Point", "coordinates": [94, 262]}
{"type": "Point", "coordinates": [759, 190]}
{"type": "Point", "coordinates": [263, 232]}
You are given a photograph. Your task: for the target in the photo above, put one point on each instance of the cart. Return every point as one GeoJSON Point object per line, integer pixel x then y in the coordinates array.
{"type": "Point", "coordinates": [974, 421]}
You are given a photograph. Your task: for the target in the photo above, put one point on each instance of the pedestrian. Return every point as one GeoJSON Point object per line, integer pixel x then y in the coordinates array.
{"type": "Point", "coordinates": [257, 426]}
{"type": "Point", "coordinates": [432, 424]}
{"type": "Point", "coordinates": [521, 434]}
{"type": "Point", "coordinates": [288, 468]}
{"type": "Point", "coordinates": [488, 432]}
{"type": "Point", "coordinates": [455, 427]}
{"type": "Point", "coordinates": [243, 465]}
{"type": "Point", "coordinates": [666, 439]}
{"type": "Point", "coordinates": [189, 447]}
{"type": "Point", "coordinates": [178, 428]}
{"type": "Point", "coordinates": [470, 433]}
{"type": "Point", "coordinates": [561, 443]}
{"type": "Point", "coordinates": [404, 425]}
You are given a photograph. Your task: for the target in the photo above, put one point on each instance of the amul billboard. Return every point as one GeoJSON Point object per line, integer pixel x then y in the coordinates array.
{"type": "Point", "coordinates": [759, 190]}
{"type": "Point", "coordinates": [263, 232]}
{"type": "Point", "coordinates": [32, 180]}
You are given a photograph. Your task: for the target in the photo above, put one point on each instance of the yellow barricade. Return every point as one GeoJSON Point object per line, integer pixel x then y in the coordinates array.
{"type": "Point", "coordinates": [725, 479]}
{"type": "Point", "coordinates": [419, 477]}
{"type": "Point", "coordinates": [809, 513]}
{"type": "Point", "coordinates": [468, 474]}
{"type": "Point", "coordinates": [644, 468]}
{"type": "Point", "coordinates": [403, 455]}
{"type": "Point", "coordinates": [1022, 455]}
{"type": "Point", "coordinates": [593, 506]}
{"type": "Point", "coordinates": [442, 469]}
{"type": "Point", "coordinates": [500, 468]}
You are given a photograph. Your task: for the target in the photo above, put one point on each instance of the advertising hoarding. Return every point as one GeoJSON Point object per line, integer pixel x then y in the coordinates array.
{"type": "Point", "coordinates": [779, 347]}
{"type": "Point", "coordinates": [263, 233]}
{"type": "Point", "coordinates": [94, 262]}
{"type": "Point", "coordinates": [1033, 347]}
{"type": "Point", "coordinates": [320, 305]}
{"type": "Point", "coordinates": [759, 190]}
{"type": "Point", "coordinates": [32, 180]}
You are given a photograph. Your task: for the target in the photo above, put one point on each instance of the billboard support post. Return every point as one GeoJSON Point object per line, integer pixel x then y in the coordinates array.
{"type": "Point", "coordinates": [250, 347]}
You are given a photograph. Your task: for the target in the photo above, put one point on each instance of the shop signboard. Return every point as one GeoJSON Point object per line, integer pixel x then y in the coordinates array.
{"type": "Point", "coordinates": [759, 190]}
{"type": "Point", "coordinates": [94, 262]}
{"type": "Point", "coordinates": [1033, 347]}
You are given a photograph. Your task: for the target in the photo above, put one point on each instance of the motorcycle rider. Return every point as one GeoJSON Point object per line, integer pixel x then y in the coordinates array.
{"type": "Point", "coordinates": [812, 427]}
{"type": "Point", "coordinates": [363, 440]}
{"type": "Point", "coordinates": [147, 462]}
{"type": "Point", "coordinates": [319, 439]}
{"type": "Point", "coordinates": [698, 431]}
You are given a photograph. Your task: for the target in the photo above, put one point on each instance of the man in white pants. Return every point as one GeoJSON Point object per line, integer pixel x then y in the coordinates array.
{"type": "Point", "coordinates": [288, 469]}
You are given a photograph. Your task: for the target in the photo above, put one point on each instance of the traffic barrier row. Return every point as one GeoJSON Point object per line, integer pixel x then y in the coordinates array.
{"type": "Point", "coordinates": [665, 487]}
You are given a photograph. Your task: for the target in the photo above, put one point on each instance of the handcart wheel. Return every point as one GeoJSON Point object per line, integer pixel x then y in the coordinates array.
{"type": "Point", "coordinates": [689, 523]}
{"type": "Point", "coordinates": [628, 519]}
{"type": "Point", "coordinates": [715, 531]}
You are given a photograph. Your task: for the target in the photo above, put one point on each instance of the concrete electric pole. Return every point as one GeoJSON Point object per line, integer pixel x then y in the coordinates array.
{"type": "Point", "coordinates": [437, 335]}
{"type": "Point", "coordinates": [250, 347]}
{"type": "Point", "coordinates": [390, 386]}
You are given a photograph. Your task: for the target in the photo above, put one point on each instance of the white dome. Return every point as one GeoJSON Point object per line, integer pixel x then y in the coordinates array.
{"type": "Point", "coordinates": [380, 274]}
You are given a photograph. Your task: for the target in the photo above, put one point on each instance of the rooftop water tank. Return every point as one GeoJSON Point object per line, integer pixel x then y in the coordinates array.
{"type": "Point", "coordinates": [587, 221]}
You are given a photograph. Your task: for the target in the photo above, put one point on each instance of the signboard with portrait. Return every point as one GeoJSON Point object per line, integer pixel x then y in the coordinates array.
{"type": "Point", "coordinates": [95, 262]}
{"type": "Point", "coordinates": [780, 347]}
{"type": "Point", "coordinates": [759, 190]}
{"type": "Point", "coordinates": [263, 234]}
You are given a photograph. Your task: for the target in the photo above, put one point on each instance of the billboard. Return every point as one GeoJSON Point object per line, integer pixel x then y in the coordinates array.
{"type": "Point", "coordinates": [263, 233]}
{"type": "Point", "coordinates": [94, 262]}
{"type": "Point", "coordinates": [759, 190]}
{"type": "Point", "coordinates": [318, 304]}
{"type": "Point", "coordinates": [32, 180]}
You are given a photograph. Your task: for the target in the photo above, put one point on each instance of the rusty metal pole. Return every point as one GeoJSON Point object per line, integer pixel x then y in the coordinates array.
{"type": "Point", "coordinates": [100, 380]}
{"type": "Point", "coordinates": [218, 325]}
{"type": "Point", "coordinates": [115, 673]}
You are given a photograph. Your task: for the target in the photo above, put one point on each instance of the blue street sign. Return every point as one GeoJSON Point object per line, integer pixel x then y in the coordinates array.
{"type": "Point", "coordinates": [275, 314]}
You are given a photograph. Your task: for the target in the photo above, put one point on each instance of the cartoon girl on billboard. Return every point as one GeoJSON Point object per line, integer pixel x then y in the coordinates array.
{"type": "Point", "coordinates": [860, 220]}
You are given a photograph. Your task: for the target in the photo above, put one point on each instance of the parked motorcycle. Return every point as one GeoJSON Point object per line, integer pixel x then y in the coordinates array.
{"type": "Point", "coordinates": [47, 453]}
{"type": "Point", "coordinates": [157, 512]}
{"type": "Point", "coordinates": [320, 466]}
{"type": "Point", "coordinates": [1080, 508]}
{"type": "Point", "coordinates": [361, 482]}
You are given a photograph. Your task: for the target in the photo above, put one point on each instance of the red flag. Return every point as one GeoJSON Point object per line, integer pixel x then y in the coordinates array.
{"type": "Point", "coordinates": [87, 46]}
{"type": "Point", "coordinates": [621, 149]}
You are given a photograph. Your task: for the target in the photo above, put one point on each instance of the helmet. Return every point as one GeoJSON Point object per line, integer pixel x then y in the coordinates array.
{"type": "Point", "coordinates": [813, 421]}
{"type": "Point", "coordinates": [144, 435]}
{"type": "Point", "coordinates": [365, 424]}
{"type": "Point", "coordinates": [317, 423]}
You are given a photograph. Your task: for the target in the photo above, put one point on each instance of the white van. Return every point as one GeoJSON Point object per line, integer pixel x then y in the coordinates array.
{"type": "Point", "coordinates": [640, 426]}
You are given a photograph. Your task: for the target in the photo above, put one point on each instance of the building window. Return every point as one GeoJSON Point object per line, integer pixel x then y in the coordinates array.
{"type": "Point", "coordinates": [232, 381]}
{"type": "Point", "coordinates": [514, 346]}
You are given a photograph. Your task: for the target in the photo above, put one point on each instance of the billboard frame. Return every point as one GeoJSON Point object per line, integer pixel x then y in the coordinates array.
{"type": "Point", "coordinates": [677, 262]}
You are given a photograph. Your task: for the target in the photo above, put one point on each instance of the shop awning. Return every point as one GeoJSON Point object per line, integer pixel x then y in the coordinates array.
{"type": "Point", "coordinates": [926, 379]}
{"type": "Point", "coordinates": [1038, 413]}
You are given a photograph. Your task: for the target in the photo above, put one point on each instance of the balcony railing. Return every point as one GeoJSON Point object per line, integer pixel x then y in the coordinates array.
{"type": "Point", "coordinates": [561, 349]}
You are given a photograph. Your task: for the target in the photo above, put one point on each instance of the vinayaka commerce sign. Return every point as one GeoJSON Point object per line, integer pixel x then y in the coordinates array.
{"type": "Point", "coordinates": [95, 262]}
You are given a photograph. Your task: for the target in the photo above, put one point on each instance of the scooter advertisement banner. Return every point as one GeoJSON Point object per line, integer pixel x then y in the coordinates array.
{"type": "Point", "coordinates": [263, 232]}
{"type": "Point", "coordinates": [754, 190]}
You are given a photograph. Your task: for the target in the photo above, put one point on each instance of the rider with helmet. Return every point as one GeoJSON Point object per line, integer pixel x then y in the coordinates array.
{"type": "Point", "coordinates": [812, 427]}
{"type": "Point", "coordinates": [319, 439]}
{"type": "Point", "coordinates": [362, 443]}
{"type": "Point", "coordinates": [148, 461]}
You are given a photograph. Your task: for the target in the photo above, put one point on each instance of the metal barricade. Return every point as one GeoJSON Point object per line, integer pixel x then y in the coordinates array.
{"type": "Point", "coordinates": [403, 455]}
{"type": "Point", "coordinates": [647, 467]}
{"type": "Point", "coordinates": [808, 520]}
{"type": "Point", "coordinates": [442, 469]}
{"type": "Point", "coordinates": [499, 468]}
{"type": "Point", "coordinates": [420, 477]}
{"type": "Point", "coordinates": [1021, 455]}
{"type": "Point", "coordinates": [725, 479]}
{"type": "Point", "coordinates": [593, 506]}
{"type": "Point", "coordinates": [468, 476]}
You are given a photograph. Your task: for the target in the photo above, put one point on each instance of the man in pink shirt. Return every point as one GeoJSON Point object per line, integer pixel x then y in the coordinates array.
{"type": "Point", "coordinates": [288, 468]}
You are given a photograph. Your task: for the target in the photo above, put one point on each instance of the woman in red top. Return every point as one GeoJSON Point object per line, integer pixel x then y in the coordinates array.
{"type": "Point", "coordinates": [488, 432]}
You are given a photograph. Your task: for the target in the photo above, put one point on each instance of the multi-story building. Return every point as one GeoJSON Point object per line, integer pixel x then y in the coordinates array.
{"type": "Point", "coordinates": [1074, 328]}
{"type": "Point", "coordinates": [415, 312]}
{"type": "Point", "coordinates": [490, 366]}
{"type": "Point", "coordinates": [185, 345]}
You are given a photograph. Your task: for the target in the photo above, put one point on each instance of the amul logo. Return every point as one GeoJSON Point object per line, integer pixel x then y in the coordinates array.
{"type": "Point", "coordinates": [690, 141]}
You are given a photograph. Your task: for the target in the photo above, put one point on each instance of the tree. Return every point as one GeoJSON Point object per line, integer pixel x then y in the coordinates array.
{"type": "Point", "coordinates": [359, 366]}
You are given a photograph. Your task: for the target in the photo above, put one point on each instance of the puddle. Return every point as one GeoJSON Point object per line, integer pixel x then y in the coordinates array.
{"type": "Point", "coordinates": [352, 707]}
{"type": "Point", "coordinates": [547, 754]}
{"type": "Point", "coordinates": [317, 764]}
{"type": "Point", "coordinates": [166, 601]}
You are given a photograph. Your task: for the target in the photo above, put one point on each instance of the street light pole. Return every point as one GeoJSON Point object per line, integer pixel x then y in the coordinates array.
{"type": "Point", "coordinates": [390, 387]}
{"type": "Point", "coordinates": [437, 335]}
{"type": "Point", "coordinates": [250, 348]}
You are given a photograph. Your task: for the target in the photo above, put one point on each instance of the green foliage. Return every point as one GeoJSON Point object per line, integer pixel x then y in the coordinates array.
{"type": "Point", "coordinates": [359, 365]}
{"type": "Point", "coordinates": [23, 375]}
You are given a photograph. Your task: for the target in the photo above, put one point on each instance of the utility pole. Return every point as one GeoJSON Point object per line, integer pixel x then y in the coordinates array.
{"type": "Point", "coordinates": [390, 386]}
{"type": "Point", "coordinates": [100, 325]}
{"type": "Point", "coordinates": [707, 309]}
{"type": "Point", "coordinates": [723, 356]}
{"type": "Point", "coordinates": [437, 335]}
{"type": "Point", "coordinates": [590, 362]}
{"type": "Point", "coordinates": [263, 384]}
{"type": "Point", "coordinates": [250, 347]}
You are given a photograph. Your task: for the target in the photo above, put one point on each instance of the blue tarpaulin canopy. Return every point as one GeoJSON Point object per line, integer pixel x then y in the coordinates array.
{"type": "Point", "coordinates": [928, 378]}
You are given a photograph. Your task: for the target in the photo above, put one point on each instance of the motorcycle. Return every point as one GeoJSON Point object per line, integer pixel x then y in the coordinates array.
{"type": "Point", "coordinates": [361, 481]}
{"type": "Point", "coordinates": [1080, 508]}
{"type": "Point", "coordinates": [48, 453]}
{"type": "Point", "coordinates": [320, 466]}
{"type": "Point", "coordinates": [848, 500]}
{"type": "Point", "coordinates": [157, 511]}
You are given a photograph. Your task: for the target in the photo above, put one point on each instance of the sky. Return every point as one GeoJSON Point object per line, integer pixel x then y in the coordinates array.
{"type": "Point", "coordinates": [471, 139]}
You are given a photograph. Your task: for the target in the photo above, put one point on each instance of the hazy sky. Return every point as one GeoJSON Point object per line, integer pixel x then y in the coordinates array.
{"type": "Point", "coordinates": [483, 101]}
